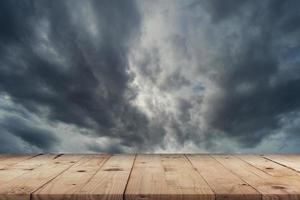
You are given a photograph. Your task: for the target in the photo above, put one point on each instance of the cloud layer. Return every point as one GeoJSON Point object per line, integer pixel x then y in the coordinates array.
{"type": "Point", "coordinates": [150, 76]}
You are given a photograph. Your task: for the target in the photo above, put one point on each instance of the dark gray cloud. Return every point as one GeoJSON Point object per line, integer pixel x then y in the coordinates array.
{"type": "Point", "coordinates": [124, 76]}
{"type": "Point", "coordinates": [241, 59]}
{"type": "Point", "coordinates": [38, 137]}
{"type": "Point", "coordinates": [254, 93]}
{"type": "Point", "coordinates": [71, 92]}
{"type": "Point", "coordinates": [68, 60]}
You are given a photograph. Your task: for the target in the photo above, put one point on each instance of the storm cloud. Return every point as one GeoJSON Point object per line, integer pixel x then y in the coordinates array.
{"type": "Point", "coordinates": [150, 76]}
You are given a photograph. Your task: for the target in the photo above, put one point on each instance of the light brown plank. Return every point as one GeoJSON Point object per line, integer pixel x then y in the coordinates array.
{"type": "Point", "coordinates": [110, 181]}
{"type": "Point", "coordinates": [22, 186]}
{"type": "Point", "coordinates": [224, 183]}
{"type": "Point", "coordinates": [269, 167]}
{"type": "Point", "coordinates": [66, 185]}
{"type": "Point", "coordinates": [5, 156]}
{"type": "Point", "coordinates": [269, 186]}
{"type": "Point", "coordinates": [166, 177]}
{"type": "Point", "coordinates": [291, 161]}
{"type": "Point", "coordinates": [9, 160]}
{"type": "Point", "coordinates": [10, 172]}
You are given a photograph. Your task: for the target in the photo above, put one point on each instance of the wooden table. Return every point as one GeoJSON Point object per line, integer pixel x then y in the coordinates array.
{"type": "Point", "coordinates": [146, 177]}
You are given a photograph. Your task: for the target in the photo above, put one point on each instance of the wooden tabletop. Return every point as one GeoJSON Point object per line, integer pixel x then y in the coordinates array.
{"type": "Point", "coordinates": [147, 177]}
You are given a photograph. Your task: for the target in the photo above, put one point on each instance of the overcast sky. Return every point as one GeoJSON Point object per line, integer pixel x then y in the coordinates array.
{"type": "Point", "coordinates": [150, 76]}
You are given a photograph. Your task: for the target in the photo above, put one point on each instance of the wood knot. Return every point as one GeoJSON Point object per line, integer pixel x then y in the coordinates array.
{"type": "Point", "coordinates": [81, 170]}
{"type": "Point", "coordinates": [114, 169]}
{"type": "Point", "coordinates": [18, 190]}
{"type": "Point", "coordinates": [172, 157]}
{"type": "Point", "coordinates": [278, 187]}
{"type": "Point", "coordinates": [269, 168]}
{"type": "Point", "coordinates": [142, 196]}
{"type": "Point", "coordinates": [168, 169]}
{"type": "Point", "coordinates": [29, 169]}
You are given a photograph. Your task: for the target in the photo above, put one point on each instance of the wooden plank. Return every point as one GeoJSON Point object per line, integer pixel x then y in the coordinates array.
{"type": "Point", "coordinates": [224, 183]}
{"type": "Point", "coordinates": [5, 156]}
{"type": "Point", "coordinates": [66, 185]}
{"type": "Point", "coordinates": [22, 186]}
{"type": "Point", "coordinates": [290, 161]}
{"type": "Point", "coordinates": [166, 177]}
{"type": "Point", "coordinates": [110, 181]}
{"type": "Point", "coordinates": [269, 186]}
{"type": "Point", "coordinates": [12, 171]}
{"type": "Point", "coordinates": [9, 155]}
{"type": "Point", "coordinates": [151, 177]}
{"type": "Point", "coordinates": [9, 160]}
{"type": "Point", "coordinates": [268, 166]}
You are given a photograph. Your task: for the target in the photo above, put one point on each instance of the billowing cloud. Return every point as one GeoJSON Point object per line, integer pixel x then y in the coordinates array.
{"type": "Point", "coordinates": [90, 76]}
{"type": "Point", "coordinates": [67, 62]}
{"type": "Point", "coordinates": [226, 73]}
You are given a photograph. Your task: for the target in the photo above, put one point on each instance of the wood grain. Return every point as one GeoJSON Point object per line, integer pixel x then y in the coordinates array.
{"type": "Point", "coordinates": [269, 166]}
{"type": "Point", "coordinates": [149, 177]}
{"type": "Point", "coordinates": [166, 177]}
{"type": "Point", "coordinates": [224, 183]}
{"type": "Point", "coordinates": [269, 186]}
{"type": "Point", "coordinates": [21, 165]}
{"type": "Point", "coordinates": [22, 186]}
{"type": "Point", "coordinates": [66, 185]}
{"type": "Point", "coordinates": [290, 161]}
{"type": "Point", "coordinates": [9, 160]}
{"type": "Point", "coordinates": [110, 181]}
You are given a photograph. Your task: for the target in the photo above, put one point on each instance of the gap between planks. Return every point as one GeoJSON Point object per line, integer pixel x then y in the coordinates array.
{"type": "Point", "coordinates": [22, 186]}
{"type": "Point", "coordinates": [189, 161]}
{"type": "Point", "coordinates": [90, 164]}
{"type": "Point", "coordinates": [228, 185]}
{"type": "Point", "coordinates": [272, 180]}
{"type": "Point", "coordinates": [124, 193]}
{"type": "Point", "coordinates": [284, 161]}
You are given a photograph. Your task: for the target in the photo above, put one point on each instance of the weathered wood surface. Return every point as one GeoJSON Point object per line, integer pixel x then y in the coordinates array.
{"type": "Point", "coordinates": [149, 177]}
